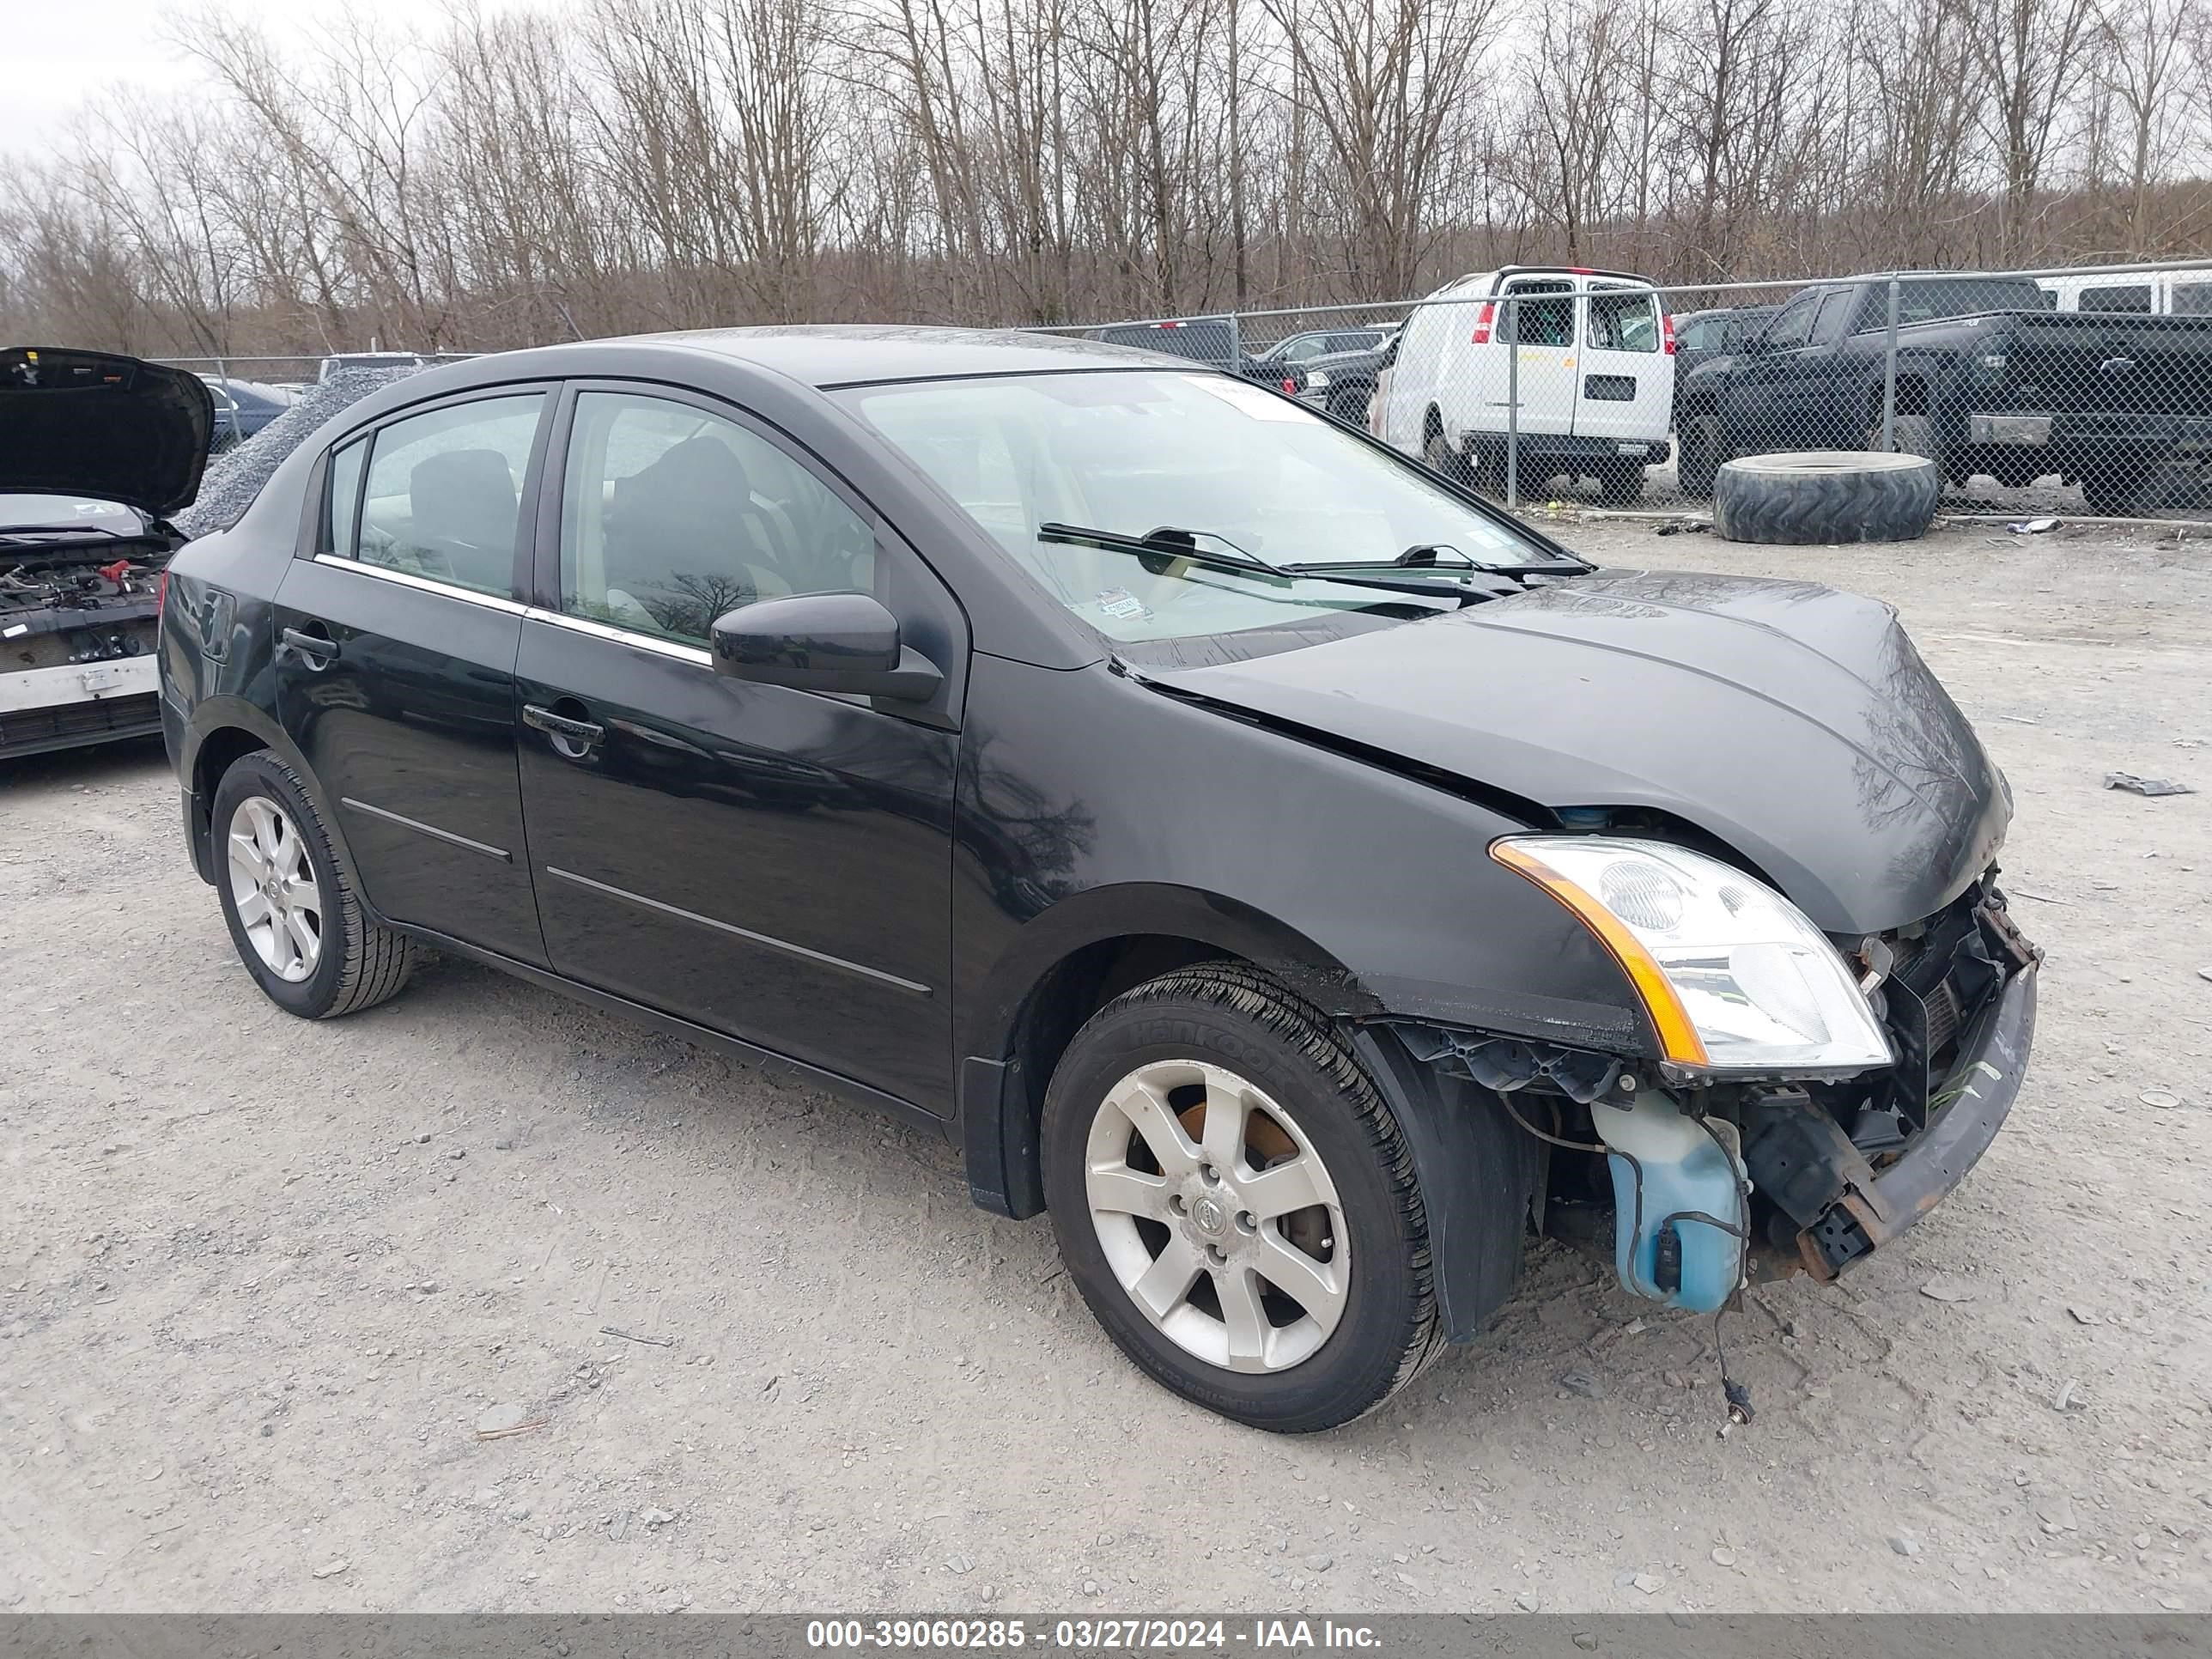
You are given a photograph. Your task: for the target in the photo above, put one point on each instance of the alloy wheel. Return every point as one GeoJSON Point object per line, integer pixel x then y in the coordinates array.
{"type": "Point", "coordinates": [1217, 1216]}
{"type": "Point", "coordinates": [274, 890]}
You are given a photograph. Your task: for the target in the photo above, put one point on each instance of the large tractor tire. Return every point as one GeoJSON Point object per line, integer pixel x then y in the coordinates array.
{"type": "Point", "coordinates": [1825, 495]}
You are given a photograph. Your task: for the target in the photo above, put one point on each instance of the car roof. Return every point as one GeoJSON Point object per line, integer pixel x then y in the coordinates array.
{"type": "Point", "coordinates": [854, 353]}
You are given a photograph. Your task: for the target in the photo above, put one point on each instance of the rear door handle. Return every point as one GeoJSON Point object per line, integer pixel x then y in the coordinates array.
{"type": "Point", "coordinates": [317, 648]}
{"type": "Point", "coordinates": [571, 738]}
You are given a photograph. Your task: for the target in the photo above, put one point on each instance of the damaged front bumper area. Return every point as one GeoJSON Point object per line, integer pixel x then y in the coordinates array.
{"type": "Point", "coordinates": [1698, 1185]}
{"type": "Point", "coordinates": [1961, 1010]}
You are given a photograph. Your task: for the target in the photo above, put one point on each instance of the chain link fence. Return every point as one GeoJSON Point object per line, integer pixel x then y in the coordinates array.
{"type": "Point", "coordinates": [2083, 391]}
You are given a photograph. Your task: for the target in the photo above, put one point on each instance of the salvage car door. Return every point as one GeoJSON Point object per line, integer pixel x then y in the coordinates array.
{"type": "Point", "coordinates": [395, 661]}
{"type": "Point", "coordinates": [770, 863]}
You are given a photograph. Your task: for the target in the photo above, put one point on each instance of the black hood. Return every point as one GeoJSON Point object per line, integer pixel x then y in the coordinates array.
{"type": "Point", "coordinates": [112, 428]}
{"type": "Point", "coordinates": [1794, 723]}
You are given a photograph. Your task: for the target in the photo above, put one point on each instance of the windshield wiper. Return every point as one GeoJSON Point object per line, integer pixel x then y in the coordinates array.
{"type": "Point", "coordinates": [1423, 560]}
{"type": "Point", "coordinates": [1165, 542]}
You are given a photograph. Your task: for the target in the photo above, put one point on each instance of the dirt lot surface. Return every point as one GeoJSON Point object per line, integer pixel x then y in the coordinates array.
{"type": "Point", "coordinates": [262, 1283]}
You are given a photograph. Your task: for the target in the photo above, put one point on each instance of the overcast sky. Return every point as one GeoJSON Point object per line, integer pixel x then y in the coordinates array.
{"type": "Point", "coordinates": [60, 52]}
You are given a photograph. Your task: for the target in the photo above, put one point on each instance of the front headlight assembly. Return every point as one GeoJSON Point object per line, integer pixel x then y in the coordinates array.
{"type": "Point", "coordinates": [1734, 976]}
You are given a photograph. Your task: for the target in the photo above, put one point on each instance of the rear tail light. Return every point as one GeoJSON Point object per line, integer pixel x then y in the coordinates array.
{"type": "Point", "coordinates": [161, 596]}
{"type": "Point", "coordinates": [1483, 319]}
{"type": "Point", "coordinates": [1289, 387]}
{"type": "Point", "coordinates": [1667, 334]}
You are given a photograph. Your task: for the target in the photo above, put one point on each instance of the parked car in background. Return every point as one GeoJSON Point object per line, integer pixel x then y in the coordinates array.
{"type": "Point", "coordinates": [1988, 380]}
{"type": "Point", "coordinates": [95, 452]}
{"type": "Point", "coordinates": [1209, 340]}
{"type": "Point", "coordinates": [1701, 335]}
{"type": "Point", "coordinates": [1343, 383]}
{"type": "Point", "coordinates": [1001, 731]}
{"type": "Point", "coordinates": [2146, 293]}
{"type": "Point", "coordinates": [1328, 342]}
{"type": "Point", "coordinates": [242, 408]}
{"type": "Point", "coordinates": [1595, 377]}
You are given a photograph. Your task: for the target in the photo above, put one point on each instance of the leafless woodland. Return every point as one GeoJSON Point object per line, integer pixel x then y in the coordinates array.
{"type": "Point", "coordinates": [624, 165]}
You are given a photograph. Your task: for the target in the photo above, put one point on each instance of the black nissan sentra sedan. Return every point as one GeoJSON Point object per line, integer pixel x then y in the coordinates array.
{"type": "Point", "coordinates": [1300, 878]}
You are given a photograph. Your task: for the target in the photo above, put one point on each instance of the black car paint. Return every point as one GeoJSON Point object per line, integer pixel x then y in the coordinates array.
{"type": "Point", "coordinates": [912, 902]}
{"type": "Point", "coordinates": [104, 427]}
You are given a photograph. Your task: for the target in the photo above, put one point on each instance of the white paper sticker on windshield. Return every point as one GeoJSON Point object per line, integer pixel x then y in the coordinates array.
{"type": "Point", "coordinates": [1261, 405]}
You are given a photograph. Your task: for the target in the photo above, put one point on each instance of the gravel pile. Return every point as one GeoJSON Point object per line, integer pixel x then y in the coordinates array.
{"type": "Point", "coordinates": [235, 478]}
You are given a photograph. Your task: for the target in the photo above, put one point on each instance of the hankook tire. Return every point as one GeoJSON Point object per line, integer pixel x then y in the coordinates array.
{"type": "Point", "coordinates": [1236, 1204]}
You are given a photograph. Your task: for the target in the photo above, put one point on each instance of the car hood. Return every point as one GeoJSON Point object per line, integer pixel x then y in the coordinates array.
{"type": "Point", "coordinates": [106, 428]}
{"type": "Point", "coordinates": [1794, 723]}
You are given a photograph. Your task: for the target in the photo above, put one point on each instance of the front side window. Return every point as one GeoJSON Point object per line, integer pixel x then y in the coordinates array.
{"type": "Point", "coordinates": [1239, 471]}
{"type": "Point", "coordinates": [444, 495]}
{"type": "Point", "coordinates": [2192, 299]}
{"type": "Point", "coordinates": [1793, 326]}
{"type": "Point", "coordinates": [672, 515]}
{"type": "Point", "coordinates": [1624, 322]}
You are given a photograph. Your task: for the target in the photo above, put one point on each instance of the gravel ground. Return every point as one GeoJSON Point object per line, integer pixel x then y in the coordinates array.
{"type": "Point", "coordinates": [264, 1286]}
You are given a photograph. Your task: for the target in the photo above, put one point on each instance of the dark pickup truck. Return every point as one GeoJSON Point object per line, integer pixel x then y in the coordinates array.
{"type": "Point", "coordinates": [1988, 381]}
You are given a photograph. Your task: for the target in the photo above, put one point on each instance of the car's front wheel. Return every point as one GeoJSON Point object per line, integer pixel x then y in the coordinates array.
{"type": "Point", "coordinates": [1236, 1204]}
{"type": "Point", "coordinates": [299, 928]}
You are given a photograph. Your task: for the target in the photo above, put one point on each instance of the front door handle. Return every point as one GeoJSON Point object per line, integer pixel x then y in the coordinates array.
{"type": "Point", "coordinates": [317, 648]}
{"type": "Point", "coordinates": [573, 738]}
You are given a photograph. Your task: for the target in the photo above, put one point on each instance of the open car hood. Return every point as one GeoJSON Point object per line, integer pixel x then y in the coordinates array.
{"type": "Point", "coordinates": [111, 429]}
{"type": "Point", "coordinates": [1794, 723]}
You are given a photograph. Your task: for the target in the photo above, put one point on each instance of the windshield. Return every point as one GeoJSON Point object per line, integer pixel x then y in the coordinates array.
{"type": "Point", "coordinates": [1245, 472]}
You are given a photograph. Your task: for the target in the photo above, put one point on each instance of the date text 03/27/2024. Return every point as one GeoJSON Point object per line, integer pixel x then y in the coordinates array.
{"type": "Point", "coordinates": [1091, 1635]}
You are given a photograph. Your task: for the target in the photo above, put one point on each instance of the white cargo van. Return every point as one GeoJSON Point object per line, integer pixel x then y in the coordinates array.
{"type": "Point", "coordinates": [1595, 378]}
{"type": "Point", "coordinates": [2146, 293]}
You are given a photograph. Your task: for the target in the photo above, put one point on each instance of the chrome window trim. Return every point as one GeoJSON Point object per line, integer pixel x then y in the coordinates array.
{"type": "Point", "coordinates": [599, 630]}
{"type": "Point", "coordinates": [425, 584]}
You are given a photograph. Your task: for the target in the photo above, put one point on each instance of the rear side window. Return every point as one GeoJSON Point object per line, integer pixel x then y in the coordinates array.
{"type": "Point", "coordinates": [444, 495]}
{"type": "Point", "coordinates": [341, 500]}
{"type": "Point", "coordinates": [2135, 296]}
{"type": "Point", "coordinates": [1624, 322]}
{"type": "Point", "coordinates": [2192, 299]}
{"type": "Point", "coordinates": [1544, 322]}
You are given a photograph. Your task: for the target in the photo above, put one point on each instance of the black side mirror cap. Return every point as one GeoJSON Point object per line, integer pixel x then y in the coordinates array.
{"type": "Point", "coordinates": [844, 643]}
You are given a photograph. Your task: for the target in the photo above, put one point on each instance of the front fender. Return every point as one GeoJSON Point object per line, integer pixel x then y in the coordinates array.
{"type": "Point", "coordinates": [1100, 914]}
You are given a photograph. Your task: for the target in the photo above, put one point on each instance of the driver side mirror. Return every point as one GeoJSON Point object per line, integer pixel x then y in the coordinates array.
{"type": "Point", "coordinates": [845, 642]}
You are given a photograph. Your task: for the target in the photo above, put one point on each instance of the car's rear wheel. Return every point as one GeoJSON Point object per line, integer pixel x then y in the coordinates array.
{"type": "Point", "coordinates": [1236, 1203]}
{"type": "Point", "coordinates": [292, 913]}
